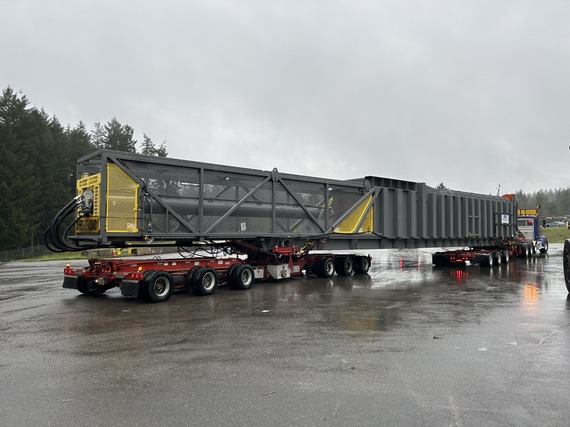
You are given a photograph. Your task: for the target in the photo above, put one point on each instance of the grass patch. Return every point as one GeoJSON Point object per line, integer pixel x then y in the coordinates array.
{"type": "Point", "coordinates": [556, 234]}
{"type": "Point", "coordinates": [57, 256]}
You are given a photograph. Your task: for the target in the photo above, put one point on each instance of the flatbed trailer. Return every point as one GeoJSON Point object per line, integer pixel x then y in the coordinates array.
{"type": "Point", "coordinates": [460, 257]}
{"type": "Point", "coordinates": [275, 225]}
{"type": "Point", "coordinates": [483, 256]}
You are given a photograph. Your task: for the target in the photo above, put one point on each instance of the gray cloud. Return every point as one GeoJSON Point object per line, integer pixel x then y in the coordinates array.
{"type": "Point", "coordinates": [472, 94]}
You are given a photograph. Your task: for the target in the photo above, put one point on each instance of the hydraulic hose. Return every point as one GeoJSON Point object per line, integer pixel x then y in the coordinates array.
{"type": "Point", "coordinates": [55, 240]}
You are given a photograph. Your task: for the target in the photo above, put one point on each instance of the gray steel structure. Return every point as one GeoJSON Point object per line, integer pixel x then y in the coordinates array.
{"type": "Point", "coordinates": [142, 199]}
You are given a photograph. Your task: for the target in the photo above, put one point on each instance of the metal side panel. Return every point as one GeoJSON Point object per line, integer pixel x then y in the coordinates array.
{"type": "Point", "coordinates": [180, 200]}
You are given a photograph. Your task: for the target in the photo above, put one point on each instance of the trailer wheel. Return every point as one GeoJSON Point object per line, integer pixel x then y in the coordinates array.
{"type": "Point", "coordinates": [97, 290]}
{"type": "Point", "coordinates": [506, 257]}
{"type": "Point", "coordinates": [498, 258]}
{"type": "Point", "coordinates": [229, 274]}
{"type": "Point", "coordinates": [486, 260]}
{"type": "Point", "coordinates": [438, 260]}
{"type": "Point", "coordinates": [361, 265]}
{"type": "Point", "coordinates": [544, 249]}
{"type": "Point", "coordinates": [566, 264]}
{"type": "Point", "coordinates": [205, 281]}
{"type": "Point", "coordinates": [242, 277]}
{"type": "Point", "coordinates": [344, 266]}
{"type": "Point", "coordinates": [82, 286]}
{"type": "Point", "coordinates": [157, 286]}
{"type": "Point", "coordinates": [85, 289]}
{"type": "Point", "coordinates": [325, 268]}
{"type": "Point", "coordinates": [189, 277]}
{"type": "Point", "coordinates": [524, 251]}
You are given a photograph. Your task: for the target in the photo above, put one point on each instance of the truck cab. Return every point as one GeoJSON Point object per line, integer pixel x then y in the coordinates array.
{"type": "Point", "coordinates": [529, 229]}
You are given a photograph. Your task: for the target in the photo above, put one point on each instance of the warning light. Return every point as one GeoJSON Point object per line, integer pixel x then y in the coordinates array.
{"type": "Point", "coordinates": [136, 275]}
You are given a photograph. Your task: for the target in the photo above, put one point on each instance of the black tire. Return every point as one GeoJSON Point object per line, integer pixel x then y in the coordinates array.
{"type": "Point", "coordinates": [97, 290]}
{"type": "Point", "coordinates": [85, 289]}
{"type": "Point", "coordinates": [229, 273]}
{"type": "Point", "coordinates": [505, 257]}
{"type": "Point", "coordinates": [242, 277]}
{"type": "Point", "coordinates": [486, 260]}
{"type": "Point", "coordinates": [325, 268]}
{"type": "Point", "coordinates": [344, 266]}
{"type": "Point", "coordinates": [361, 265]}
{"type": "Point", "coordinates": [498, 258]}
{"type": "Point", "coordinates": [143, 294]}
{"type": "Point", "coordinates": [437, 260]}
{"type": "Point", "coordinates": [526, 250]}
{"type": "Point", "coordinates": [205, 281]}
{"type": "Point", "coordinates": [566, 264]}
{"type": "Point", "coordinates": [189, 276]}
{"type": "Point", "coordinates": [157, 286]}
{"type": "Point", "coordinates": [82, 286]}
{"type": "Point", "coordinates": [544, 249]}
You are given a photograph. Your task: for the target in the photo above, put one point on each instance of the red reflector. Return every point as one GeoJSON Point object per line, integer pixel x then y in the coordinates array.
{"type": "Point", "coordinates": [134, 276]}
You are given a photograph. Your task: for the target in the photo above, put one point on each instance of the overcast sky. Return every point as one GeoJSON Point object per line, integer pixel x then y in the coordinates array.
{"type": "Point", "coordinates": [469, 93]}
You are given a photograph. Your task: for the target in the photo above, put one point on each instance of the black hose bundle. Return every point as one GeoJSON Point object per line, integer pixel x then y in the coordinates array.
{"type": "Point", "coordinates": [55, 239]}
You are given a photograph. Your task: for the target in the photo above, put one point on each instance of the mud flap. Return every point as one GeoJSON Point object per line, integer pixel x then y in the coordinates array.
{"type": "Point", "coordinates": [70, 282]}
{"type": "Point", "coordinates": [129, 288]}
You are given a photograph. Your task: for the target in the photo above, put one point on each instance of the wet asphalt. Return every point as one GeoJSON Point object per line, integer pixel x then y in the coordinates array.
{"type": "Point", "coordinates": [406, 345]}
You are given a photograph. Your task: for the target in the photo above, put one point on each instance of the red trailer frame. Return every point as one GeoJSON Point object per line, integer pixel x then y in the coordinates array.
{"type": "Point", "coordinates": [154, 280]}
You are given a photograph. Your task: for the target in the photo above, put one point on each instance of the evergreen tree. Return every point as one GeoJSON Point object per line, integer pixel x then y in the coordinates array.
{"type": "Point", "coordinates": [98, 136]}
{"type": "Point", "coordinates": [37, 168]}
{"type": "Point", "coordinates": [161, 150]}
{"type": "Point", "coordinates": [20, 202]}
{"type": "Point", "coordinates": [119, 137]}
{"type": "Point", "coordinates": [149, 148]}
{"type": "Point", "coordinates": [38, 158]}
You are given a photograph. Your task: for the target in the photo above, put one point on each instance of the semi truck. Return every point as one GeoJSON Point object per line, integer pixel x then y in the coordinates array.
{"type": "Point", "coordinates": [530, 230]}
{"type": "Point", "coordinates": [233, 226]}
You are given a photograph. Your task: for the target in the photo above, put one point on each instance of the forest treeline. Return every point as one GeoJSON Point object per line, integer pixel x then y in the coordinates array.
{"type": "Point", "coordinates": [551, 203]}
{"type": "Point", "coordinates": [38, 157]}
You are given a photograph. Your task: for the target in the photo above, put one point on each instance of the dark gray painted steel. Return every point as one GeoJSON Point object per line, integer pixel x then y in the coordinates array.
{"type": "Point", "coordinates": [183, 201]}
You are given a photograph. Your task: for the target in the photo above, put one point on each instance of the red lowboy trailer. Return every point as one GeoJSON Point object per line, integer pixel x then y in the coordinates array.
{"type": "Point", "coordinates": [154, 280]}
